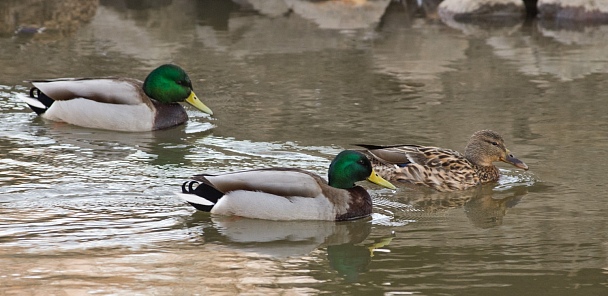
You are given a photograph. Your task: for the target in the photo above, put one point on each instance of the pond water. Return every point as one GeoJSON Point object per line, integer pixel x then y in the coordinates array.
{"type": "Point", "coordinates": [292, 83]}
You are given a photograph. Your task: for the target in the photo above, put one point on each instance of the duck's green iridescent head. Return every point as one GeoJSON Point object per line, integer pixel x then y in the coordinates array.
{"type": "Point", "coordinates": [350, 166]}
{"type": "Point", "coordinates": [170, 84]}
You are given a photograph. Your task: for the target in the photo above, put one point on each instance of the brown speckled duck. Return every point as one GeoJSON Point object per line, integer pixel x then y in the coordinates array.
{"type": "Point", "coordinates": [443, 169]}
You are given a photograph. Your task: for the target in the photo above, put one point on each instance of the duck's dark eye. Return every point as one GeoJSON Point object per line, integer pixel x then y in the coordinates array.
{"type": "Point", "coordinates": [183, 82]}
{"type": "Point", "coordinates": [494, 143]}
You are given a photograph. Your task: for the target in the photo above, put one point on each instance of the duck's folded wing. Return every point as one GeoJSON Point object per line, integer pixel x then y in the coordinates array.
{"type": "Point", "coordinates": [282, 182]}
{"type": "Point", "coordinates": [387, 154]}
{"type": "Point", "coordinates": [103, 90]}
{"type": "Point", "coordinates": [403, 155]}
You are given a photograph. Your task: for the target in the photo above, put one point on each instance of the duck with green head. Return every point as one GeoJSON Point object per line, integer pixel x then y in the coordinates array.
{"type": "Point", "coordinates": [122, 104]}
{"type": "Point", "coordinates": [288, 193]}
{"type": "Point", "coordinates": [444, 169]}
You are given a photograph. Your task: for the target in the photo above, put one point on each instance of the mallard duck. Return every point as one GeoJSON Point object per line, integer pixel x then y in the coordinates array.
{"type": "Point", "coordinates": [287, 193]}
{"type": "Point", "coordinates": [121, 104]}
{"type": "Point", "coordinates": [444, 169]}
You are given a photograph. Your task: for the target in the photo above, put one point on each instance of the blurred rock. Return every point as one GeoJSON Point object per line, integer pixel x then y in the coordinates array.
{"type": "Point", "coordinates": [578, 10]}
{"type": "Point", "coordinates": [271, 8]}
{"type": "Point", "coordinates": [462, 10]}
{"type": "Point", "coordinates": [327, 14]}
{"type": "Point", "coordinates": [58, 18]}
{"type": "Point", "coordinates": [342, 14]}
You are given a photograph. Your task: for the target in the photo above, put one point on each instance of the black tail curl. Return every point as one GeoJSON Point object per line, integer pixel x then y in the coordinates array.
{"type": "Point", "coordinates": [203, 190]}
{"type": "Point", "coordinates": [35, 93]}
{"type": "Point", "coordinates": [189, 190]}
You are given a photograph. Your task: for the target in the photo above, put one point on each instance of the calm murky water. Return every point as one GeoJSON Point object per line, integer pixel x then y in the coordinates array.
{"type": "Point", "coordinates": [93, 212]}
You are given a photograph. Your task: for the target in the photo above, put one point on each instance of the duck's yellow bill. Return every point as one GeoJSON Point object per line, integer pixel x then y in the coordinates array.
{"type": "Point", "coordinates": [194, 101]}
{"type": "Point", "coordinates": [376, 179]}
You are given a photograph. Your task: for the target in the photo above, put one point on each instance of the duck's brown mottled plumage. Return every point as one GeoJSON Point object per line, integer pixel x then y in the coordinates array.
{"type": "Point", "coordinates": [443, 169]}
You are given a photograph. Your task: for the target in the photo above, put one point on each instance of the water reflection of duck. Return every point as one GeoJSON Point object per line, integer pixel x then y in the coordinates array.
{"type": "Point", "coordinates": [284, 238]}
{"type": "Point", "coordinates": [350, 260]}
{"type": "Point", "coordinates": [105, 145]}
{"type": "Point", "coordinates": [488, 207]}
{"type": "Point", "coordinates": [288, 194]}
{"type": "Point", "coordinates": [444, 169]}
{"type": "Point", "coordinates": [121, 104]}
{"type": "Point", "coordinates": [344, 241]}
{"type": "Point", "coordinates": [484, 206]}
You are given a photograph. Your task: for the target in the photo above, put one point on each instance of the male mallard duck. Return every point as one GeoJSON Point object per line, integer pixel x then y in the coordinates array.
{"type": "Point", "coordinates": [121, 104]}
{"type": "Point", "coordinates": [288, 194]}
{"type": "Point", "coordinates": [444, 169]}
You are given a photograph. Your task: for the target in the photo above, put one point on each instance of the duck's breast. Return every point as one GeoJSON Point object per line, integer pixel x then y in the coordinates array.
{"type": "Point", "coordinates": [279, 181]}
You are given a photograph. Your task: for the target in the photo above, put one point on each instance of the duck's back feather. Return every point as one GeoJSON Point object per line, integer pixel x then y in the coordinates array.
{"type": "Point", "coordinates": [277, 181]}
{"type": "Point", "coordinates": [402, 155]}
{"type": "Point", "coordinates": [110, 90]}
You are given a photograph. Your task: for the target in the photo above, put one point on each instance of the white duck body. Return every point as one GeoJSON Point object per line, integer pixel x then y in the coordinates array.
{"type": "Point", "coordinates": [105, 103]}
{"type": "Point", "coordinates": [279, 194]}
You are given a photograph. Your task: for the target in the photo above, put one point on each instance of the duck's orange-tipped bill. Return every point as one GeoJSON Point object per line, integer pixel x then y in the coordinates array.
{"type": "Point", "coordinates": [376, 179]}
{"type": "Point", "coordinates": [194, 101]}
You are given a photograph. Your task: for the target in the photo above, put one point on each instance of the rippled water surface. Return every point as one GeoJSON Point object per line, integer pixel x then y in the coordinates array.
{"type": "Point", "coordinates": [292, 83]}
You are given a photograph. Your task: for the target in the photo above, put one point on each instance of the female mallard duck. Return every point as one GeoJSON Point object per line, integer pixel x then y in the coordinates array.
{"type": "Point", "coordinates": [288, 194]}
{"type": "Point", "coordinates": [121, 104]}
{"type": "Point", "coordinates": [444, 169]}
